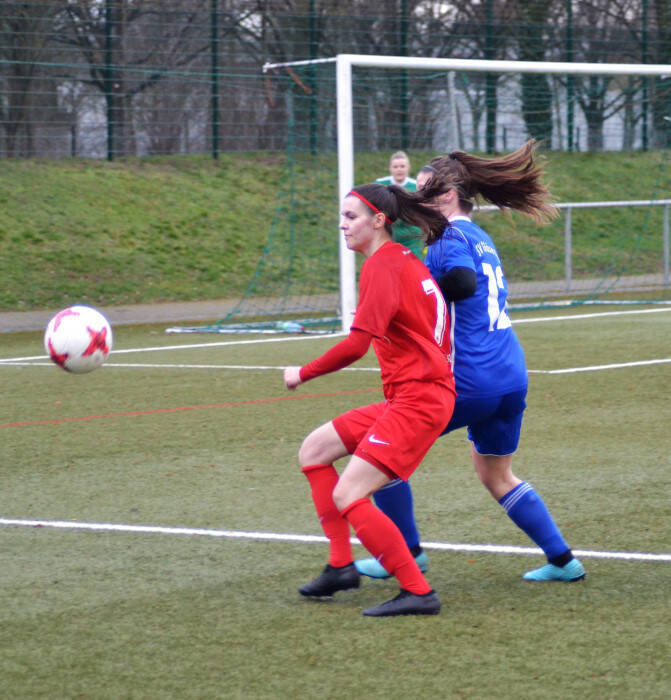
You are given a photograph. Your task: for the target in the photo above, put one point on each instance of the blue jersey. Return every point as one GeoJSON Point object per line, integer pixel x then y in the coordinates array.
{"type": "Point", "coordinates": [487, 359]}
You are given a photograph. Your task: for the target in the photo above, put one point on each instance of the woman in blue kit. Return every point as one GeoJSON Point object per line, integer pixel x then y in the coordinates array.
{"type": "Point", "coordinates": [487, 359]}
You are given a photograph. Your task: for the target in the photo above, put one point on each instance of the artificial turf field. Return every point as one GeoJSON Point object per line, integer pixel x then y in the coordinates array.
{"type": "Point", "coordinates": [190, 443]}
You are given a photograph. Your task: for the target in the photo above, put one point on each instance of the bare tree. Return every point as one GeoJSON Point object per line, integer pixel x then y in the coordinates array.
{"type": "Point", "coordinates": [533, 44]}
{"type": "Point", "coordinates": [482, 34]}
{"type": "Point", "coordinates": [157, 76]}
{"type": "Point", "coordinates": [24, 34]}
{"type": "Point", "coordinates": [599, 38]}
{"type": "Point", "coordinates": [661, 94]}
{"type": "Point", "coordinates": [129, 47]}
{"type": "Point", "coordinates": [640, 37]}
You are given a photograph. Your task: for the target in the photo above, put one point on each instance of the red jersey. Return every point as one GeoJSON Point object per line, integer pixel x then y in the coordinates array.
{"type": "Point", "coordinates": [401, 306]}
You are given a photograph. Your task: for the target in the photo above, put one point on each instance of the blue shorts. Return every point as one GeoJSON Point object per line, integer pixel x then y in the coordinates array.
{"type": "Point", "coordinates": [494, 423]}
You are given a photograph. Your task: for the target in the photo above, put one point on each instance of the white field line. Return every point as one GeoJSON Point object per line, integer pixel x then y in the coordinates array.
{"type": "Point", "coordinates": [191, 346]}
{"type": "Point", "coordinates": [596, 368]}
{"type": "Point", "coordinates": [287, 537]}
{"type": "Point", "coordinates": [161, 365]}
{"type": "Point", "coordinates": [576, 317]}
{"type": "Point", "coordinates": [20, 361]}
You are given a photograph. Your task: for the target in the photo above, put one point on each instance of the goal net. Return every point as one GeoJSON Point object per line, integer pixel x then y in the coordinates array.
{"type": "Point", "coordinates": [606, 129]}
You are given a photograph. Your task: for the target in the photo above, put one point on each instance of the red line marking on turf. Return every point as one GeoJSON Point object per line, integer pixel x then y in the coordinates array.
{"type": "Point", "coordinates": [228, 404]}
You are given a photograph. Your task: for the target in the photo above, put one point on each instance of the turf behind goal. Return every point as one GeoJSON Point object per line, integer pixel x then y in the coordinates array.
{"type": "Point", "coordinates": [346, 115]}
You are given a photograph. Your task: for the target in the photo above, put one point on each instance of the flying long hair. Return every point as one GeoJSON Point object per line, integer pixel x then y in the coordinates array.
{"type": "Point", "coordinates": [509, 182]}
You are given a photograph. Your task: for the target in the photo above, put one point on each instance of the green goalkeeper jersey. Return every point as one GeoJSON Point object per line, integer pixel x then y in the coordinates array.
{"type": "Point", "coordinates": [409, 236]}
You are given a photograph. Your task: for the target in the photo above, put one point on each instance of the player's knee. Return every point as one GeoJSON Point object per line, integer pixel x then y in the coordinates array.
{"type": "Point", "coordinates": [322, 446]}
{"type": "Point", "coordinates": [311, 451]}
{"type": "Point", "coordinates": [498, 481]}
{"type": "Point", "coordinates": [487, 480]}
{"type": "Point", "coordinates": [483, 474]}
{"type": "Point", "coordinates": [342, 496]}
{"type": "Point", "coordinates": [304, 452]}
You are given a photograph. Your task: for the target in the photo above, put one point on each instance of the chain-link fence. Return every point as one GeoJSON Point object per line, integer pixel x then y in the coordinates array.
{"type": "Point", "coordinates": [111, 78]}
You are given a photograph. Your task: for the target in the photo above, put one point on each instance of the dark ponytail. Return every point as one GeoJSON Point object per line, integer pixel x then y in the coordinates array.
{"type": "Point", "coordinates": [396, 202]}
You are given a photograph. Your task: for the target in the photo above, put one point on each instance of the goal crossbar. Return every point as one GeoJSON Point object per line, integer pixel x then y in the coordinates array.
{"type": "Point", "coordinates": [482, 65]}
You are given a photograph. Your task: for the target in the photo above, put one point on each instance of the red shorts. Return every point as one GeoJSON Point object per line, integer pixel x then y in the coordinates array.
{"type": "Point", "coordinates": [394, 435]}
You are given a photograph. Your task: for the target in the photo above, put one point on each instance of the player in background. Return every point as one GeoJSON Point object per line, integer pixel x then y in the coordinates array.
{"type": "Point", "coordinates": [487, 359]}
{"type": "Point", "coordinates": [399, 174]}
{"type": "Point", "coordinates": [403, 314]}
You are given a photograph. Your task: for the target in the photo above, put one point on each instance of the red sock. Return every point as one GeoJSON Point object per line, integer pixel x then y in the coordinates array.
{"type": "Point", "coordinates": [323, 478]}
{"type": "Point", "coordinates": [385, 542]}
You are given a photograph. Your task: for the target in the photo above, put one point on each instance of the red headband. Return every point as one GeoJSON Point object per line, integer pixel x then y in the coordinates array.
{"type": "Point", "coordinates": [369, 204]}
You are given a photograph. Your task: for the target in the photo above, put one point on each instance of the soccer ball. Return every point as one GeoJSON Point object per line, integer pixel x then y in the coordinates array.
{"type": "Point", "coordinates": [78, 339]}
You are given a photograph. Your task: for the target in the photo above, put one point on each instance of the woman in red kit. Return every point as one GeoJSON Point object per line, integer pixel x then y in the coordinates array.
{"type": "Point", "coordinates": [402, 313]}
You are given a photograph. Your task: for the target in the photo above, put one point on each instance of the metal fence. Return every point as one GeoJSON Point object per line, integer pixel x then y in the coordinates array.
{"type": "Point", "coordinates": [624, 283]}
{"type": "Point", "coordinates": [111, 78]}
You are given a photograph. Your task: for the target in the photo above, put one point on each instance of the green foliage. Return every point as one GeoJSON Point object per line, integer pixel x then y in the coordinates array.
{"type": "Point", "coordinates": [130, 615]}
{"type": "Point", "coordinates": [185, 228]}
{"type": "Point", "coordinates": [128, 232]}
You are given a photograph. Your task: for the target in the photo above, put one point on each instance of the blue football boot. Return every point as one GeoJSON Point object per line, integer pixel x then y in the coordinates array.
{"type": "Point", "coordinates": [573, 571]}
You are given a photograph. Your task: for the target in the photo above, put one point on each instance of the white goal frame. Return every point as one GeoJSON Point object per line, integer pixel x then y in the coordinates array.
{"type": "Point", "coordinates": [344, 107]}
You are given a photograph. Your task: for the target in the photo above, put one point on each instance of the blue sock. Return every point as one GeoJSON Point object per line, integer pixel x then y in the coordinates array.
{"type": "Point", "coordinates": [527, 510]}
{"type": "Point", "coordinates": [395, 500]}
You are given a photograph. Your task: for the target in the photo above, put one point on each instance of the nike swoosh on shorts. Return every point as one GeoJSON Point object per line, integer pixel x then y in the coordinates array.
{"type": "Point", "coordinates": [377, 441]}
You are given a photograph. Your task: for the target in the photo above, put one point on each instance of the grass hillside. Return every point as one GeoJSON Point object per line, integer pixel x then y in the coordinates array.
{"type": "Point", "coordinates": [186, 228]}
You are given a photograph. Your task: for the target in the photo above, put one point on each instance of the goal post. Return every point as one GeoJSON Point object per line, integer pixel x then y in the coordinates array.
{"type": "Point", "coordinates": [348, 297]}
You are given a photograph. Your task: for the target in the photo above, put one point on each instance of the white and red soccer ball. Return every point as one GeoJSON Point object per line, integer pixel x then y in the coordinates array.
{"type": "Point", "coordinates": [78, 339]}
